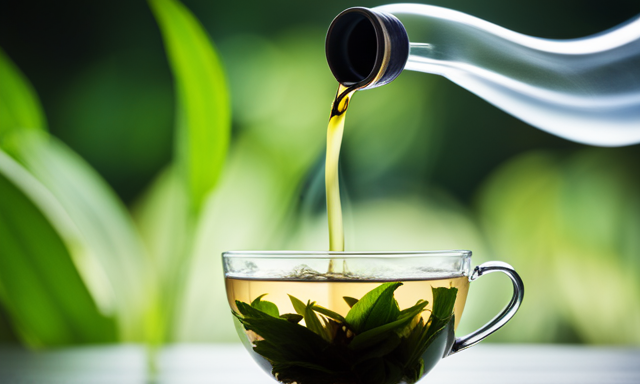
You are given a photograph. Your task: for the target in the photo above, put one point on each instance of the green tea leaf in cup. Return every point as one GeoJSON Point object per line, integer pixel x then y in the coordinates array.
{"type": "Point", "coordinates": [443, 301]}
{"type": "Point", "coordinates": [313, 323]}
{"type": "Point", "coordinates": [378, 334]}
{"type": "Point", "coordinates": [351, 301]}
{"type": "Point", "coordinates": [248, 311]}
{"type": "Point", "coordinates": [292, 317]}
{"type": "Point", "coordinates": [265, 306]}
{"type": "Point", "coordinates": [329, 313]}
{"type": "Point", "coordinates": [377, 307]}
{"type": "Point", "coordinates": [298, 305]}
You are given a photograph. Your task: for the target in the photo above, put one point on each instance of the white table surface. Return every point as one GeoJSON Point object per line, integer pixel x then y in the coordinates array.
{"type": "Point", "coordinates": [230, 363]}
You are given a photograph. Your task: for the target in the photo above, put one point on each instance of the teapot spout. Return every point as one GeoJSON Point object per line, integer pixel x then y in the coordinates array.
{"type": "Point", "coordinates": [366, 48]}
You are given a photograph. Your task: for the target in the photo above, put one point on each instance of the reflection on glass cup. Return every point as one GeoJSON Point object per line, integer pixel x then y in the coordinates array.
{"type": "Point", "coordinates": [351, 318]}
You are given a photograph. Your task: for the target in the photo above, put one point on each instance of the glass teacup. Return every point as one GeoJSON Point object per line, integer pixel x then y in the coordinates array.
{"type": "Point", "coordinates": [355, 318]}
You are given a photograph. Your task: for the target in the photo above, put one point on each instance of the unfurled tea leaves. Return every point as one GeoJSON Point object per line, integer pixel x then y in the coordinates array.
{"type": "Point", "coordinates": [265, 306]}
{"type": "Point", "coordinates": [378, 334]}
{"type": "Point", "coordinates": [374, 309]}
{"type": "Point", "coordinates": [375, 343]}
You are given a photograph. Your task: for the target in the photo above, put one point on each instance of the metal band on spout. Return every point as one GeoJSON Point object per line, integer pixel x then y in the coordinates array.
{"type": "Point", "coordinates": [366, 48]}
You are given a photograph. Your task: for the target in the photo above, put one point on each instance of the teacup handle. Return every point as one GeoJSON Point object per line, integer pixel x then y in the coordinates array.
{"type": "Point", "coordinates": [504, 316]}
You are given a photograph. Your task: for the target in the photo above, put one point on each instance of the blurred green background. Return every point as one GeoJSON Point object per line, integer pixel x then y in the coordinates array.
{"type": "Point", "coordinates": [205, 156]}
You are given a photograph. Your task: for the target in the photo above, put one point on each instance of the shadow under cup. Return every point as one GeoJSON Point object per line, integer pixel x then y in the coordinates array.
{"type": "Point", "coordinates": [346, 317]}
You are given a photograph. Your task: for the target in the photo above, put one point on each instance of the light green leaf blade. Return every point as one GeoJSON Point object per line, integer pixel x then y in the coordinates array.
{"type": "Point", "coordinates": [375, 308]}
{"type": "Point", "coordinates": [444, 299]}
{"type": "Point", "coordinates": [162, 216]}
{"type": "Point", "coordinates": [105, 227]}
{"type": "Point", "coordinates": [329, 313]}
{"type": "Point", "coordinates": [313, 323]}
{"type": "Point", "coordinates": [298, 305]}
{"type": "Point", "coordinates": [44, 268]}
{"type": "Point", "coordinates": [203, 107]}
{"type": "Point", "coordinates": [19, 104]}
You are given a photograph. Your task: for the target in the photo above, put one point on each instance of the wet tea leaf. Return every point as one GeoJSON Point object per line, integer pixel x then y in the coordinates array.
{"type": "Point", "coordinates": [313, 323]}
{"type": "Point", "coordinates": [265, 306]}
{"type": "Point", "coordinates": [389, 344]}
{"type": "Point", "coordinates": [329, 313]}
{"type": "Point", "coordinates": [350, 301]}
{"type": "Point", "coordinates": [292, 317]}
{"type": "Point", "coordinates": [378, 334]}
{"type": "Point", "coordinates": [248, 311]}
{"type": "Point", "coordinates": [444, 300]}
{"type": "Point", "coordinates": [441, 315]}
{"type": "Point", "coordinates": [294, 340]}
{"type": "Point", "coordinates": [411, 309]}
{"type": "Point", "coordinates": [376, 308]}
{"type": "Point", "coordinates": [298, 305]}
{"type": "Point", "coordinates": [325, 350]}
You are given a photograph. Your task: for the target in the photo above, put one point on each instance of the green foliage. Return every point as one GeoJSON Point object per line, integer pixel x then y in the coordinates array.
{"type": "Point", "coordinates": [107, 232]}
{"type": "Point", "coordinates": [74, 269]}
{"type": "Point", "coordinates": [19, 105]}
{"type": "Point", "coordinates": [50, 285]}
{"type": "Point", "coordinates": [388, 353]}
{"type": "Point", "coordinates": [570, 224]}
{"type": "Point", "coordinates": [203, 107]}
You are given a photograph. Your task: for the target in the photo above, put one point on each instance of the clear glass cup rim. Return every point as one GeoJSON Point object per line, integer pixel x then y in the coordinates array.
{"type": "Point", "coordinates": [465, 254]}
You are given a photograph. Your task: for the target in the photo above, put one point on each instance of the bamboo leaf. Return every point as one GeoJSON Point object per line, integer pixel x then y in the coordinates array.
{"type": "Point", "coordinates": [113, 264]}
{"type": "Point", "coordinates": [203, 107]}
{"type": "Point", "coordinates": [162, 216]}
{"type": "Point", "coordinates": [49, 285]}
{"type": "Point", "coordinates": [104, 224]}
{"type": "Point", "coordinates": [19, 105]}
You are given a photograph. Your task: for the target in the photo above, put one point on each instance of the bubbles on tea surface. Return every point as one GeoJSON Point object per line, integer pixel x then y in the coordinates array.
{"type": "Point", "coordinates": [304, 272]}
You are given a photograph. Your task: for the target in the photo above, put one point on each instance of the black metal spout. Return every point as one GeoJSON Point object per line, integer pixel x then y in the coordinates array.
{"type": "Point", "coordinates": [366, 48]}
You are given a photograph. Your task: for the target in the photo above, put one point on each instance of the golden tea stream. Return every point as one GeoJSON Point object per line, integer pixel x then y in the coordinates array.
{"type": "Point", "coordinates": [334, 142]}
